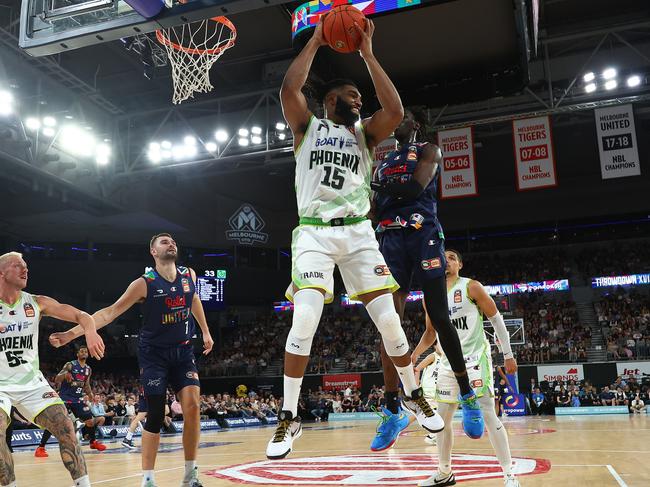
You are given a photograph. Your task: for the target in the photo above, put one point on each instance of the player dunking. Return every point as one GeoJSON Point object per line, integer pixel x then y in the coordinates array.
{"type": "Point", "coordinates": [333, 170]}
{"type": "Point", "coordinates": [165, 352]}
{"type": "Point", "coordinates": [468, 302]}
{"type": "Point", "coordinates": [74, 382]}
{"type": "Point", "coordinates": [412, 242]}
{"type": "Point", "coordinates": [21, 382]}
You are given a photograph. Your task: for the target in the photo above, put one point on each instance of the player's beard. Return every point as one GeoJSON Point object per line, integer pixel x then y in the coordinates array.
{"type": "Point", "coordinates": [344, 111]}
{"type": "Point", "coordinates": [169, 257]}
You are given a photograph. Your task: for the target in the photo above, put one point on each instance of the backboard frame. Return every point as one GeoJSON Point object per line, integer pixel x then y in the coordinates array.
{"type": "Point", "coordinates": [41, 43]}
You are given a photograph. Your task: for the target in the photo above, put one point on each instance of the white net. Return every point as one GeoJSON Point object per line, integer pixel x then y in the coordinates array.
{"type": "Point", "coordinates": [192, 49]}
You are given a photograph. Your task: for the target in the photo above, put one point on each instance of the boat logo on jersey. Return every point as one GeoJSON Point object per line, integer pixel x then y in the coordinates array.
{"type": "Point", "coordinates": [29, 310]}
{"type": "Point", "coordinates": [431, 264]}
{"type": "Point", "coordinates": [186, 285]}
{"type": "Point", "coordinates": [395, 469]}
{"type": "Point", "coordinates": [382, 270]}
{"type": "Point", "coordinates": [458, 296]}
{"type": "Point", "coordinates": [246, 226]}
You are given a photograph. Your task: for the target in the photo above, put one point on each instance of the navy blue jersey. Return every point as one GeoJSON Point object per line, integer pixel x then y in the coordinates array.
{"type": "Point", "coordinates": [399, 166]}
{"type": "Point", "coordinates": [167, 310]}
{"type": "Point", "coordinates": [72, 392]}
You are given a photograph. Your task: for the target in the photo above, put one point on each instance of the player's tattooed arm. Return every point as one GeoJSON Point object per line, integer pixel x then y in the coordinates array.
{"type": "Point", "coordinates": [64, 374]}
{"type": "Point", "coordinates": [87, 388]}
{"type": "Point", "coordinates": [7, 475]}
{"type": "Point", "coordinates": [55, 418]}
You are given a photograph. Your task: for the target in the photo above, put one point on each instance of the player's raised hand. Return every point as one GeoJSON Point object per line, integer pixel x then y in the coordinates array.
{"type": "Point", "coordinates": [318, 36]}
{"type": "Point", "coordinates": [365, 46]}
{"type": "Point", "coordinates": [60, 338]}
{"type": "Point", "coordinates": [208, 343]}
{"type": "Point", "coordinates": [511, 365]}
{"type": "Point", "coordinates": [95, 344]}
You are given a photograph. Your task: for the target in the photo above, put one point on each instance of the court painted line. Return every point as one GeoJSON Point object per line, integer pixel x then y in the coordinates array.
{"type": "Point", "coordinates": [139, 474]}
{"type": "Point", "coordinates": [616, 476]}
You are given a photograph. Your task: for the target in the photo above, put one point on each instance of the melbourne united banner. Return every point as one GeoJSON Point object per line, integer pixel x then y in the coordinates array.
{"type": "Point", "coordinates": [458, 171]}
{"type": "Point", "coordinates": [619, 156]}
{"type": "Point", "coordinates": [534, 160]}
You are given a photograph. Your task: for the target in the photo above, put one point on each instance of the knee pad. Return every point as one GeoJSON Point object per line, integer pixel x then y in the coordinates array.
{"type": "Point", "coordinates": [392, 334]}
{"type": "Point", "coordinates": [306, 315]}
{"type": "Point", "coordinates": [155, 413]}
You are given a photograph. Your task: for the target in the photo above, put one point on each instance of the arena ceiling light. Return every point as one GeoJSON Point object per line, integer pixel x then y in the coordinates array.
{"type": "Point", "coordinates": [243, 141]}
{"type": "Point", "coordinates": [256, 130]}
{"type": "Point", "coordinates": [102, 154]}
{"type": "Point", "coordinates": [589, 77]}
{"type": "Point", "coordinates": [590, 88]}
{"type": "Point", "coordinates": [211, 146]}
{"type": "Point", "coordinates": [32, 123]}
{"type": "Point", "coordinates": [48, 132]}
{"type": "Point", "coordinates": [6, 102]}
{"type": "Point", "coordinates": [611, 84]}
{"type": "Point", "coordinates": [609, 73]}
{"type": "Point", "coordinates": [189, 140]}
{"type": "Point", "coordinates": [221, 136]}
{"type": "Point", "coordinates": [256, 139]}
{"type": "Point", "coordinates": [243, 133]}
{"type": "Point", "coordinates": [77, 141]}
{"type": "Point", "coordinates": [633, 81]}
{"type": "Point", "coordinates": [166, 145]}
{"type": "Point", "coordinates": [280, 126]}
{"type": "Point", "coordinates": [282, 136]}
{"type": "Point", "coordinates": [49, 121]}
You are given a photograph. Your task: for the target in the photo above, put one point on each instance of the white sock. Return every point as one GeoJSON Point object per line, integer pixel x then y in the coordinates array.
{"type": "Point", "coordinates": [497, 434]}
{"type": "Point", "coordinates": [13, 484]}
{"type": "Point", "coordinates": [147, 475]}
{"type": "Point", "coordinates": [445, 438]}
{"type": "Point", "coordinates": [82, 481]}
{"type": "Point", "coordinates": [190, 466]}
{"type": "Point", "coordinates": [407, 376]}
{"type": "Point", "coordinates": [291, 394]}
{"type": "Point", "coordinates": [129, 435]}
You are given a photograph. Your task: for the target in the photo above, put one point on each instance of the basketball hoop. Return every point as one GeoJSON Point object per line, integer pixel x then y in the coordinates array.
{"type": "Point", "coordinates": [192, 50]}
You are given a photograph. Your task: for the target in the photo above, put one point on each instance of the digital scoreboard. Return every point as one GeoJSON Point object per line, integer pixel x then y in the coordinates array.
{"type": "Point", "coordinates": [210, 287]}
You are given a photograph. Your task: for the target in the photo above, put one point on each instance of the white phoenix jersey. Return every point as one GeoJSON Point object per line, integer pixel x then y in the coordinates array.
{"type": "Point", "coordinates": [468, 321]}
{"type": "Point", "coordinates": [19, 366]}
{"type": "Point", "coordinates": [333, 171]}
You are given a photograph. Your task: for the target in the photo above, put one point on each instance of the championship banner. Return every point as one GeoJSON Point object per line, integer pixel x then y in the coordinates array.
{"type": "Point", "coordinates": [458, 171]}
{"type": "Point", "coordinates": [341, 381]}
{"type": "Point", "coordinates": [564, 373]}
{"type": "Point", "coordinates": [619, 156]}
{"type": "Point", "coordinates": [534, 159]}
{"type": "Point", "coordinates": [383, 149]}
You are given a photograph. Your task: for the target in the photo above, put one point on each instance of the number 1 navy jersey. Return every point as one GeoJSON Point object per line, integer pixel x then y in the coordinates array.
{"type": "Point", "coordinates": [167, 310]}
{"type": "Point", "coordinates": [399, 166]}
{"type": "Point", "coordinates": [72, 392]}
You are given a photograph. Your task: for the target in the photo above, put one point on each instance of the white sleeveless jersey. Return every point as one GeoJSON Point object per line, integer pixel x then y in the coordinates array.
{"type": "Point", "coordinates": [333, 171]}
{"type": "Point", "coordinates": [468, 321]}
{"type": "Point", "coordinates": [19, 366]}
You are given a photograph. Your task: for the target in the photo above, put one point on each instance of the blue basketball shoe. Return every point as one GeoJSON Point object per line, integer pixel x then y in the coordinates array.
{"type": "Point", "coordinates": [388, 430]}
{"type": "Point", "coordinates": [472, 415]}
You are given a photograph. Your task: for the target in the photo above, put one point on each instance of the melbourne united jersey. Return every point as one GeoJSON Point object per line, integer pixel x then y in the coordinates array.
{"type": "Point", "coordinates": [19, 367]}
{"type": "Point", "coordinates": [468, 321]}
{"type": "Point", "coordinates": [399, 166]}
{"type": "Point", "coordinates": [72, 392]}
{"type": "Point", "coordinates": [333, 170]}
{"type": "Point", "coordinates": [167, 310]}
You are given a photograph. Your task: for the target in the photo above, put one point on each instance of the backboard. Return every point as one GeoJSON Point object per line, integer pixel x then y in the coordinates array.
{"type": "Point", "coordinates": [53, 26]}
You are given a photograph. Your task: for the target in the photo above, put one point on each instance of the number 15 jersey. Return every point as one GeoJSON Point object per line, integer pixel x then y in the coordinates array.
{"type": "Point", "coordinates": [333, 171]}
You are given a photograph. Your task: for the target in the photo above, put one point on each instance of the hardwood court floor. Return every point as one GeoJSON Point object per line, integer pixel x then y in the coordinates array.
{"type": "Point", "coordinates": [595, 451]}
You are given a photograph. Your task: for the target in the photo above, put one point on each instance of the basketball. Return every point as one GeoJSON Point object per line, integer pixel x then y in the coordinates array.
{"type": "Point", "coordinates": [339, 30]}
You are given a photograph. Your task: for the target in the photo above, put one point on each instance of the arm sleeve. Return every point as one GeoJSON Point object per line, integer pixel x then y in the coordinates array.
{"type": "Point", "coordinates": [502, 334]}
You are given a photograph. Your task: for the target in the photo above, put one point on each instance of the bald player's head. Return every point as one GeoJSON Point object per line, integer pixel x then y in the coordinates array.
{"type": "Point", "coordinates": [13, 270]}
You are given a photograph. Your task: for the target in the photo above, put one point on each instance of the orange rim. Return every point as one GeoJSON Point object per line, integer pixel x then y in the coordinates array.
{"type": "Point", "coordinates": [163, 39]}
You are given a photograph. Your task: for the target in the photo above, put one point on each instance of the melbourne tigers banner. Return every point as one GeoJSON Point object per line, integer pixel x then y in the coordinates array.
{"type": "Point", "coordinates": [458, 171]}
{"type": "Point", "coordinates": [341, 381]}
{"type": "Point", "coordinates": [534, 159]}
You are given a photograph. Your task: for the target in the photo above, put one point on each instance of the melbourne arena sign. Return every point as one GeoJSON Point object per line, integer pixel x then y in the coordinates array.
{"type": "Point", "coordinates": [341, 381]}
{"type": "Point", "coordinates": [560, 372]}
{"type": "Point", "coordinates": [631, 280]}
{"type": "Point", "coordinates": [371, 470]}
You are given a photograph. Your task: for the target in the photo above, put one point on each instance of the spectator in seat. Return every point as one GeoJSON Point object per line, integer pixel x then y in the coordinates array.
{"type": "Point", "coordinates": [356, 403]}
{"type": "Point", "coordinates": [336, 404]}
{"type": "Point", "coordinates": [575, 399]}
{"type": "Point", "coordinates": [620, 399]}
{"type": "Point", "coordinates": [346, 405]}
{"type": "Point", "coordinates": [120, 411]}
{"type": "Point", "coordinates": [99, 411]}
{"type": "Point", "coordinates": [537, 402]}
{"type": "Point", "coordinates": [563, 398]}
{"type": "Point", "coordinates": [607, 397]}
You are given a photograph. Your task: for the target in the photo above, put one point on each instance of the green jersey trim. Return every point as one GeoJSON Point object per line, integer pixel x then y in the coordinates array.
{"type": "Point", "coordinates": [311, 117]}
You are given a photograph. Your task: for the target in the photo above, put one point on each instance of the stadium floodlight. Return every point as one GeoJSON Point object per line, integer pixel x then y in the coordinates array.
{"type": "Point", "coordinates": [165, 144]}
{"type": "Point", "coordinates": [102, 154]}
{"type": "Point", "coordinates": [256, 139]}
{"type": "Point", "coordinates": [611, 84]}
{"type": "Point", "coordinates": [280, 126]}
{"type": "Point", "coordinates": [48, 132]}
{"type": "Point", "coordinates": [189, 140]}
{"type": "Point", "coordinates": [221, 136]}
{"type": "Point", "coordinates": [589, 77]}
{"type": "Point", "coordinates": [590, 88]}
{"type": "Point", "coordinates": [77, 141]}
{"type": "Point", "coordinates": [49, 121]}
{"type": "Point", "coordinates": [243, 142]}
{"type": "Point", "coordinates": [33, 123]}
{"type": "Point", "coordinates": [282, 136]}
{"type": "Point", "coordinates": [155, 157]}
{"type": "Point", "coordinates": [154, 147]}
{"type": "Point", "coordinates": [190, 151]}
{"type": "Point", "coordinates": [166, 154]}
{"type": "Point", "coordinates": [211, 147]}
{"type": "Point", "coordinates": [256, 130]}
{"type": "Point", "coordinates": [634, 81]}
{"type": "Point", "coordinates": [178, 152]}
{"type": "Point", "coordinates": [609, 73]}
{"type": "Point", "coordinates": [6, 102]}
{"type": "Point", "coordinates": [243, 132]}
